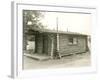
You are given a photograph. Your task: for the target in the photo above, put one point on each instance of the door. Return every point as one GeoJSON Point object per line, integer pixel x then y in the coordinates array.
{"type": "Point", "coordinates": [45, 44]}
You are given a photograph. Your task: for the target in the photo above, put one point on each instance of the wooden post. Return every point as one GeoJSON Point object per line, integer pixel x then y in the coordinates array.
{"type": "Point", "coordinates": [52, 46]}
{"type": "Point", "coordinates": [57, 36]}
{"type": "Point", "coordinates": [58, 39]}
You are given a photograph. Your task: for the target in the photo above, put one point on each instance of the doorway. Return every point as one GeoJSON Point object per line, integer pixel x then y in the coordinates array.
{"type": "Point", "coordinates": [45, 44]}
{"type": "Point", "coordinates": [31, 44]}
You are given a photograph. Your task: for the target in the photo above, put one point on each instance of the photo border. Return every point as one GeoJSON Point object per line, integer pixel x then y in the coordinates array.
{"type": "Point", "coordinates": [16, 62]}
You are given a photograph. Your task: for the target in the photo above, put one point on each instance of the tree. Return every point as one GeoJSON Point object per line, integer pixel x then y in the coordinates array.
{"type": "Point", "coordinates": [31, 20]}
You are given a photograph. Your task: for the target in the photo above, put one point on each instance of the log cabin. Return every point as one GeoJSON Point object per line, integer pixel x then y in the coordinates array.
{"type": "Point", "coordinates": [48, 42]}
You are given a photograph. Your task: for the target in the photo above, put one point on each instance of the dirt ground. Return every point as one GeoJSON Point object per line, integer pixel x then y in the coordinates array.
{"type": "Point", "coordinates": [77, 60]}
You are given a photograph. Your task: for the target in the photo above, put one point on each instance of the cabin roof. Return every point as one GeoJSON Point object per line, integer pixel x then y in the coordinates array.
{"type": "Point", "coordinates": [55, 31]}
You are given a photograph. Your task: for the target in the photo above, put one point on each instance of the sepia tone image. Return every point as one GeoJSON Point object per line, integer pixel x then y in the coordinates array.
{"type": "Point", "coordinates": [54, 39]}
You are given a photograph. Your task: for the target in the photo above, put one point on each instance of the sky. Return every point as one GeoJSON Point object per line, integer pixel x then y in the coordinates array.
{"type": "Point", "coordinates": [74, 22]}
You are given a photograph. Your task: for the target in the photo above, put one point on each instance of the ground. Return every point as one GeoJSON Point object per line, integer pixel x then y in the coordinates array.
{"type": "Point", "coordinates": [77, 60]}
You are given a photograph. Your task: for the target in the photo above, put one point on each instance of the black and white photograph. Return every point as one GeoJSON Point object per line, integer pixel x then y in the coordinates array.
{"type": "Point", "coordinates": [53, 40]}
{"type": "Point", "coordinates": [50, 40]}
{"type": "Point", "coordinates": [56, 39]}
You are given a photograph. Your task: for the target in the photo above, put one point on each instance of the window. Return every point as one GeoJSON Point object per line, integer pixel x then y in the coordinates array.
{"type": "Point", "coordinates": [73, 40]}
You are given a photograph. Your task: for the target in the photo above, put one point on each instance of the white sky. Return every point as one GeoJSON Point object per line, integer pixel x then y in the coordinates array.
{"type": "Point", "coordinates": [74, 22]}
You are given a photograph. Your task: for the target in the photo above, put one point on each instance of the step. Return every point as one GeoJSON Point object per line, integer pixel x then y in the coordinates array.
{"type": "Point", "coordinates": [37, 56]}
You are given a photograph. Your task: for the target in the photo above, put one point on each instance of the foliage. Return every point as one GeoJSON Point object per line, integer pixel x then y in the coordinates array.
{"type": "Point", "coordinates": [31, 19]}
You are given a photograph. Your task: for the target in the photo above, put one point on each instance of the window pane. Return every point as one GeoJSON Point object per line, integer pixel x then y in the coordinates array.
{"type": "Point", "coordinates": [70, 40]}
{"type": "Point", "coordinates": [74, 40]}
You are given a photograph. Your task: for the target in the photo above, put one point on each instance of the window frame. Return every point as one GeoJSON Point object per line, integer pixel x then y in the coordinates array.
{"type": "Point", "coordinates": [74, 42]}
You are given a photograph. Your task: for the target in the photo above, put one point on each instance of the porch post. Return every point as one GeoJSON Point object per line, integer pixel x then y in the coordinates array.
{"type": "Point", "coordinates": [52, 46]}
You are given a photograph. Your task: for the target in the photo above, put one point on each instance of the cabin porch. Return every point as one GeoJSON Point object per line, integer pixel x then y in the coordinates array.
{"type": "Point", "coordinates": [44, 45]}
